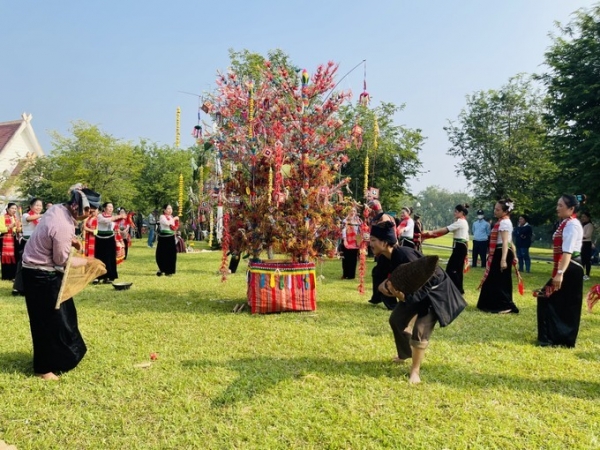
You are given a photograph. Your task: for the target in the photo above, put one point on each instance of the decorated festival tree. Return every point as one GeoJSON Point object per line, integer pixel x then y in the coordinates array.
{"type": "Point", "coordinates": [281, 146]}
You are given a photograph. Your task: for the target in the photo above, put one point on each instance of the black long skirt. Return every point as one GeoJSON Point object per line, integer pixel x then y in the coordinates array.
{"type": "Point", "coordinates": [497, 291]}
{"type": "Point", "coordinates": [57, 343]}
{"type": "Point", "coordinates": [558, 316]}
{"type": "Point", "coordinates": [106, 251]}
{"type": "Point", "coordinates": [166, 254]}
{"type": "Point", "coordinates": [349, 262]}
{"type": "Point", "coordinates": [456, 265]}
{"type": "Point", "coordinates": [9, 270]}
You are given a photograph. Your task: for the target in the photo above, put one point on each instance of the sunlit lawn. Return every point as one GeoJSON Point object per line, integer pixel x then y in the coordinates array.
{"type": "Point", "coordinates": [296, 380]}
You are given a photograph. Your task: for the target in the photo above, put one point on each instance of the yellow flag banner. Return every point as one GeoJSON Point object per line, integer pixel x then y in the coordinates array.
{"type": "Point", "coordinates": [80, 270]}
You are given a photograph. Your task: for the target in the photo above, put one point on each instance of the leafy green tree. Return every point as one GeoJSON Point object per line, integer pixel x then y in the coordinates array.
{"type": "Point", "coordinates": [89, 156]}
{"type": "Point", "coordinates": [501, 144]}
{"type": "Point", "coordinates": [436, 206]}
{"type": "Point", "coordinates": [573, 84]}
{"type": "Point", "coordinates": [159, 183]}
{"type": "Point", "coordinates": [392, 163]}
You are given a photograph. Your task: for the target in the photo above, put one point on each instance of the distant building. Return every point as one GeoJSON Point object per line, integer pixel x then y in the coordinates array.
{"type": "Point", "coordinates": [18, 147]}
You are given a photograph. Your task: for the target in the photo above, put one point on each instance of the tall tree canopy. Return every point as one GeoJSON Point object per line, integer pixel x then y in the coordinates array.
{"type": "Point", "coordinates": [91, 156]}
{"type": "Point", "coordinates": [436, 206]}
{"type": "Point", "coordinates": [392, 161]}
{"type": "Point", "coordinates": [500, 141]}
{"type": "Point", "coordinates": [573, 84]}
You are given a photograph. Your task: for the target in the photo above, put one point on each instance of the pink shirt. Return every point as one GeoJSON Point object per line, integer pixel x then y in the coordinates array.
{"type": "Point", "coordinates": [50, 243]}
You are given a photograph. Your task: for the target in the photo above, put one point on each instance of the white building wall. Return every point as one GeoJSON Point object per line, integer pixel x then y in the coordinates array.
{"type": "Point", "coordinates": [11, 154]}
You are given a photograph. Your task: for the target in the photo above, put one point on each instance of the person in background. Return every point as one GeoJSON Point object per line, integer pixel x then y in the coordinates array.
{"type": "Point", "coordinates": [586, 245]}
{"type": "Point", "coordinates": [378, 273]}
{"type": "Point", "coordinates": [151, 228]}
{"type": "Point", "coordinates": [57, 343]}
{"type": "Point", "coordinates": [559, 301]}
{"type": "Point", "coordinates": [481, 233]}
{"type": "Point", "coordinates": [48, 206]}
{"type": "Point", "coordinates": [90, 230]}
{"type": "Point", "coordinates": [123, 227]}
{"type": "Point", "coordinates": [10, 256]}
{"type": "Point", "coordinates": [166, 247]}
{"type": "Point", "coordinates": [523, 238]}
{"type": "Point", "coordinates": [405, 231]}
{"type": "Point", "coordinates": [496, 294]}
{"type": "Point", "coordinates": [29, 221]}
{"type": "Point", "coordinates": [351, 236]}
{"type": "Point", "coordinates": [418, 231]}
{"type": "Point", "coordinates": [106, 246]}
{"type": "Point", "coordinates": [460, 245]}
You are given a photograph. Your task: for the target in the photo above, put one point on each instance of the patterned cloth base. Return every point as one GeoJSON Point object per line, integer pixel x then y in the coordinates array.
{"type": "Point", "coordinates": [281, 286]}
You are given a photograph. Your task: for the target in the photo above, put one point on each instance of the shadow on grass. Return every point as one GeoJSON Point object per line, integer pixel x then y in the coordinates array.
{"type": "Point", "coordinates": [16, 362]}
{"type": "Point", "coordinates": [260, 375]}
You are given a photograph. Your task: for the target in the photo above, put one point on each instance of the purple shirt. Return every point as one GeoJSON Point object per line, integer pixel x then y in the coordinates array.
{"type": "Point", "coordinates": [50, 243]}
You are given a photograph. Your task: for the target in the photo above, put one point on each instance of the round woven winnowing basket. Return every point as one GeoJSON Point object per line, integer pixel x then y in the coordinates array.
{"type": "Point", "coordinates": [409, 277]}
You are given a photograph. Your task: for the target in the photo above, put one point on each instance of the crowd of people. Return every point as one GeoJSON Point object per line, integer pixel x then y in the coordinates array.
{"type": "Point", "coordinates": [36, 246]}
{"type": "Point", "coordinates": [503, 250]}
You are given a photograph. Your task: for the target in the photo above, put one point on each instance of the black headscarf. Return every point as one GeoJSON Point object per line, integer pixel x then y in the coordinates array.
{"type": "Point", "coordinates": [81, 198]}
{"type": "Point", "coordinates": [385, 231]}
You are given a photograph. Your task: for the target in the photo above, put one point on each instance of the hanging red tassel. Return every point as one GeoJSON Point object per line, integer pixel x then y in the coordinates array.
{"type": "Point", "coordinates": [593, 297]}
{"type": "Point", "coordinates": [521, 284]}
{"type": "Point", "coordinates": [521, 287]}
{"type": "Point", "coordinates": [362, 265]}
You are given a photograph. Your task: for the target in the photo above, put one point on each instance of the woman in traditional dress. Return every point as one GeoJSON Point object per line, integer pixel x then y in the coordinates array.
{"type": "Point", "coordinates": [10, 255]}
{"type": "Point", "coordinates": [559, 301]}
{"type": "Point", "coordinates": [586, 245]}
{"type": "Point", "coordinates": [406, 229]}
{"type": "Point", "coordinates": [106, 248]}
{"type": "Point", "coordinates": [460, 244]}
{"type": "Point", "coordinates": [496, 294]}
{"type": "Point", "coordinates": [29, 221]}
{"type": "Point", "coordinates": [350, 244]}
{"type": "Point", "coordinates": [166, 248]}
{"type": "Point", "coordinates": [90, 230]}
{"type": "Point", "coordinates": [414, 317]}
{"type": "Point", "coordinates": [123, 228]}
{"type": "Point", "coordinates": [57, 343]}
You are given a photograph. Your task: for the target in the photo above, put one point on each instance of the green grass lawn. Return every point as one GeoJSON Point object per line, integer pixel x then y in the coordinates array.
{"type": "Point", "coordinates": [296, 380]}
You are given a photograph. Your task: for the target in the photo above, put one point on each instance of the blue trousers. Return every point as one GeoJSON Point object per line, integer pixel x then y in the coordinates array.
{"type": "Point", "coordinates": [523, 257]}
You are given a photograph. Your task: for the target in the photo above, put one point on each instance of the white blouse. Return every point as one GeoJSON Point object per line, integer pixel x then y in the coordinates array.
{"type": "Point", "coordinates": [105, 223]}
{"type": "Point", "coordinates": [505, 225]}
{"type": "Point", "coordinates": [409, 230]}
{"type": "Point", "coordinates": [28, 226]}
{"type": "Point", "coordinates": [572, 236]}
{"type": "Point", "coordinates": [460, 229]}
{"type": "Point", "coordinates": [165, 222]}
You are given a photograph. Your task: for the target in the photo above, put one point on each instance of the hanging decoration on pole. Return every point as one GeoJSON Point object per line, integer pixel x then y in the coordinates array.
{"type": "Point", "coordinates": [197, 131]}
{"type": "Point", "coordinates": [177, 127]}
{"type": "Point", "coordinates": [180, 199]}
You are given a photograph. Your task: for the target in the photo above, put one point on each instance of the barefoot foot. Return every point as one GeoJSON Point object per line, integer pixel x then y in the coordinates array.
{"type": "Point", "coordinates": [398, 360]}
{"type": "Point", "coordinates": [414, 378]}
{"type": "Point", "coordinates": [47, 376]}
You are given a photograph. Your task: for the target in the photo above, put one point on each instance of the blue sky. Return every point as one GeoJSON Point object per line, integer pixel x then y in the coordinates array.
{"type": "Point", "coordinates": [120, 64]}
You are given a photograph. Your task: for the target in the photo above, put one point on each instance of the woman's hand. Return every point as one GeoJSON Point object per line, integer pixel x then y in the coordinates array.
{"type": "Point", "coordinates": [76, 243]}
{"type": "Point", "coordinates": [557, 281]}
{"type": "Point", "coordinates": [388, 290]}
{"type": "Point", "coordinates": [503, 264]}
